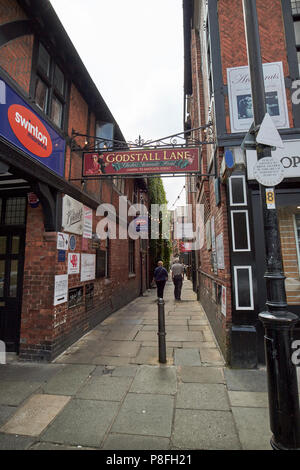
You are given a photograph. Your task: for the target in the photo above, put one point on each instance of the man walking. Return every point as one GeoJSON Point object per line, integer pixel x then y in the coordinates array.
{"type": "Point", "coordinates": [160, 277]}
{"type": "Point", "coordinates": [177, 277]}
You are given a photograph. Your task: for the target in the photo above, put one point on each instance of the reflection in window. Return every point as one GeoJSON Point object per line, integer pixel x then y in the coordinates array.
{"type": "Point", "coordinates": [15, 211]}
{"type": "Point", "coordinates": [289, 227]}
{"type": "Point", "coordinates": [13, 278]}
{"type": "Point", "coordinates": [2, 275]}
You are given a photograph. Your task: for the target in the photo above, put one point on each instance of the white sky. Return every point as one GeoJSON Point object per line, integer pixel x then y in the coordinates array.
{"type": "Point", "coordinates": [133, 51]}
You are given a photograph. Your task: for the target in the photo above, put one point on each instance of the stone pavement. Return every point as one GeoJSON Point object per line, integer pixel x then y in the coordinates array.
{"type": "Point", "coordinates": [108, 390]}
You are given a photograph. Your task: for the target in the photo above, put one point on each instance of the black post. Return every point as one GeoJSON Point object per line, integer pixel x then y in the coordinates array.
{"type": "Point", "coordinates": [277, 320]}
{"type": "Point", "coordinates": [161, 332]}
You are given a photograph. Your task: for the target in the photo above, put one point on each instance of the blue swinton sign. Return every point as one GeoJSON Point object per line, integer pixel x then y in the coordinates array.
{"type": "Point", "coordinates": [22, 127]}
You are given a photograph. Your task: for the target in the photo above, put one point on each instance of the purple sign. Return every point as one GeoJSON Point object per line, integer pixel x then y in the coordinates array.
{"type": "Point", "coordinates": [22, 127]}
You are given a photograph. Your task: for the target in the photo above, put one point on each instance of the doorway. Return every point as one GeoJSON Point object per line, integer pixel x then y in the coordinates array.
{"type": "Point", "coordinates": [12, 249]}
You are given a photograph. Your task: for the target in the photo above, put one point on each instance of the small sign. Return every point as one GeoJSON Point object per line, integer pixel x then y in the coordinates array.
{"type": "Point", "coordinates": [72, 242]}
{"type": "Point", "coordinates": [87, 222]}
{"type": "Point", "coordinates": [60, 289]}
{"type": "Point", "coordinates": [270, 198]}
{"type": "Point", "coordinates": [85, 244]}
{"type": "Point", "coordinates": [223, 301]}
{"type": "Point", "coordinates": [268, 134]}
{"type": "Point", "coordinates": [33, 200]}
{"type": "Point", "coordinates": [229, 160]}
{"type": "Point", "coordinates": [88, 267]}
{"type": "Point", "coordinates": [268, 171]}
{"type": "Point", "coordinates": [73, 263]}
{"type": "Point", "coordinates": [89, 296]}
{"type": "Point", "coordinates": [62, 241]}
{"type": "Point", "coordinates": [61, 256]}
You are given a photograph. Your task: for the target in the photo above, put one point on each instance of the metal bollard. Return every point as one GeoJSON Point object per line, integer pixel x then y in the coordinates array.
{"type": "Point", "coordinates": [161, 332]}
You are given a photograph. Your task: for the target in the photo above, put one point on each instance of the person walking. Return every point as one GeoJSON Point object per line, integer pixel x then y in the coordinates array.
{"type": "Point", "coordinates": [160, 277]}
{"type": "Point", "coordinates": [177, 277]}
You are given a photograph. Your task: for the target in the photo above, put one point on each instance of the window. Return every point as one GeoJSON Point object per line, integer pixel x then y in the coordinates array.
{"type": "Point", "coordinates": [289, 228]}
{"type": "Point", "coordinates": [296, 16]}
{"type": "Point", "coordinates": [240, 231]}
{"type": "Point", "coordinates": [102, 261]}
{"type": "Point", "coordinates": [243, 288]}
{"type": "Point", "coordinates": [237, 191]}
{"type": "Point", "coordinates": [119, 184]}
{"type": "Point", "coordinates": [131, 256]}
{"type": "Point", "coordinates": [50, 87]}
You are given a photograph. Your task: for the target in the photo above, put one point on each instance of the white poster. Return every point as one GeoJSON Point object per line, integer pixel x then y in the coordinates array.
{"type": "Point", "coordinates": [60, 289]}
{"type": "Point", "coordinates": [240, 96]}
{"type": "Point", "coordinates": [72, 219]}
{"type": "Point", "coordinates": [62, 241]}
{"type": "Point", "coordinates": [88, 267]}
{"type": "Point", "coordinates": [289, 157]}
{"type": "Point", "coordinates": [88, 222]}
{"type": "Point", "coordinates": [220, 251]}
{"type": "Point", "coordinates": [73, 263]}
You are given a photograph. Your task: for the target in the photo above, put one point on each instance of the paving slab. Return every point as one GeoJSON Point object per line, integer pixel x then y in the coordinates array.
{"type": "Point", "coordinates": [11, 442]}
{"type": "Point", "coordinates": [185, 336]}
{"type": "Point", "coordinates": [28, 372]}
{"type": "Point", "coordinates": [201, 374]}
{"type": "Point", "coordinates": [14, 393]}
{"type": "Point", "coordinates": [78, 356]}
{"type": "Point", "coordinates": [120, 348]}
{"type": "Point", "coordinates": [130, 442]}
{"type": "Point", "coordinates": [124, 371]}
{"type": "Point", "coordinates": [211, 355]}
{"type": "Point", "coordinates": [204, 430]}
{"type": "Point", "coordinates": [82, 422]}
{"type": "Point", "coordinates": [69, 379]}
{"type": "Point", "coordinates": [126, 333]}
{"type": "Point", "coordinates": [150, 355]}
{"type": "Point", "coordinates": [246, 380]}
{"type": "Point", "coordinates": [187, 357]}
{"type": "Point", "coordinates": [253, 427]}
{"type": "Point", "coordinates": [105, 388]}
{"type": "Point", "coordinates": [33, 417]}
{"type": "Point", "coordinates": [161, 380]}
{"type": "Point", "coordinates": [6, 412]}
{"type": "Point", "coordinates": [111, 360]}
{"type": "Point", "coordinates": [249, 399]}
{"type": "Point", "coordinates": [145, 414]}
{"type": "Point", "coordinates": [202, 396]}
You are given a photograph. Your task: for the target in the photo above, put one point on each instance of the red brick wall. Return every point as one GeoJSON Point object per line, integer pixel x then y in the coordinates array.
{"type": "Point", "coordinates": [15, 57]}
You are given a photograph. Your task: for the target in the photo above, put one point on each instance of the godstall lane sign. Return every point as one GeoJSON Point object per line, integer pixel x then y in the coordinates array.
{"type": "Point", "coordinates": [157, 161]}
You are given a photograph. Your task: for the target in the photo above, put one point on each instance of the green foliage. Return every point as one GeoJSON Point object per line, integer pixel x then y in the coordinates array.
{"type": "Point", "coordinates": [160, 249]}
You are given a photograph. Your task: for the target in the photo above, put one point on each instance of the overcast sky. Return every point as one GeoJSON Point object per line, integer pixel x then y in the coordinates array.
{"type": "Point", "coordinates": [133, 51]}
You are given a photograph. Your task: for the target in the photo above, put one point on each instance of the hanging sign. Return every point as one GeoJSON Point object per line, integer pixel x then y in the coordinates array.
{"type": "Point", "coordinates": [33, 200]}
{"type": "Point", "coordinates": [21, 126]}
{"type": "Point", "coordinates": [173, 160]}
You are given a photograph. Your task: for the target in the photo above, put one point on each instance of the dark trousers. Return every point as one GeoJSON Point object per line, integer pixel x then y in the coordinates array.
{"type": "Point", "coordinates": [160, 289]}
{"type": "Point", "coordinates": [178, 286]}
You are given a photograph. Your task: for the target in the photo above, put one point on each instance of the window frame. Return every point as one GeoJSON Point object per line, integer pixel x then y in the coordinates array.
{"type": "Point", "coordinates": [53, 91]}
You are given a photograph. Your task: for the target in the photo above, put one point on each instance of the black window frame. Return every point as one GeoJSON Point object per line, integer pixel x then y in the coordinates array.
{"type": "Point", "coordinates": [49, 80]}
{"type": "Point", "coordinates": [131, 256]}
{"type": "Point", "coordinates": [295, 8]}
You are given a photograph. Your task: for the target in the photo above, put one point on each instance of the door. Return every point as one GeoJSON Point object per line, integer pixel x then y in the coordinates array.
{"type": "Point", "coordinates": [11, 279]}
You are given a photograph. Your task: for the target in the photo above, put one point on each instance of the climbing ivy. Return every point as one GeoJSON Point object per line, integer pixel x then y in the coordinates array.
{"type": "Point", "coordinates": [160, 248]}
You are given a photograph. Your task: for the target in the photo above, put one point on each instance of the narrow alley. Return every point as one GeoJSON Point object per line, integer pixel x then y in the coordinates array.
{"type": "Point", "coordinates": [108, 390]}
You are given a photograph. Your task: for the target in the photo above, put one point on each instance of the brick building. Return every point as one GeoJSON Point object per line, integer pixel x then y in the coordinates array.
{"type": "Point", "coordinates": [57, 279]}
{"type": "Point", "coordinates": [229, 269]}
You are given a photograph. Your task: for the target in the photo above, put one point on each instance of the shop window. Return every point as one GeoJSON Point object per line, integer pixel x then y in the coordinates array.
{"type": "Point", "coordinates": [15, 211]}
{"type": "Point", "coordinates": [243, 285]}
{"type": "Point", "coordinates": [237, 191]}
{"type": "Point", "coordinates": [131, 256]}
{"type": "Point", "coordinates": [119, 184]}
{"type": "Point", "coordinates": [50, 87]}
{"type": "Point", "coordinates": [240, 231]}
{"type": "Point", "coordinates": [289, 226]}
